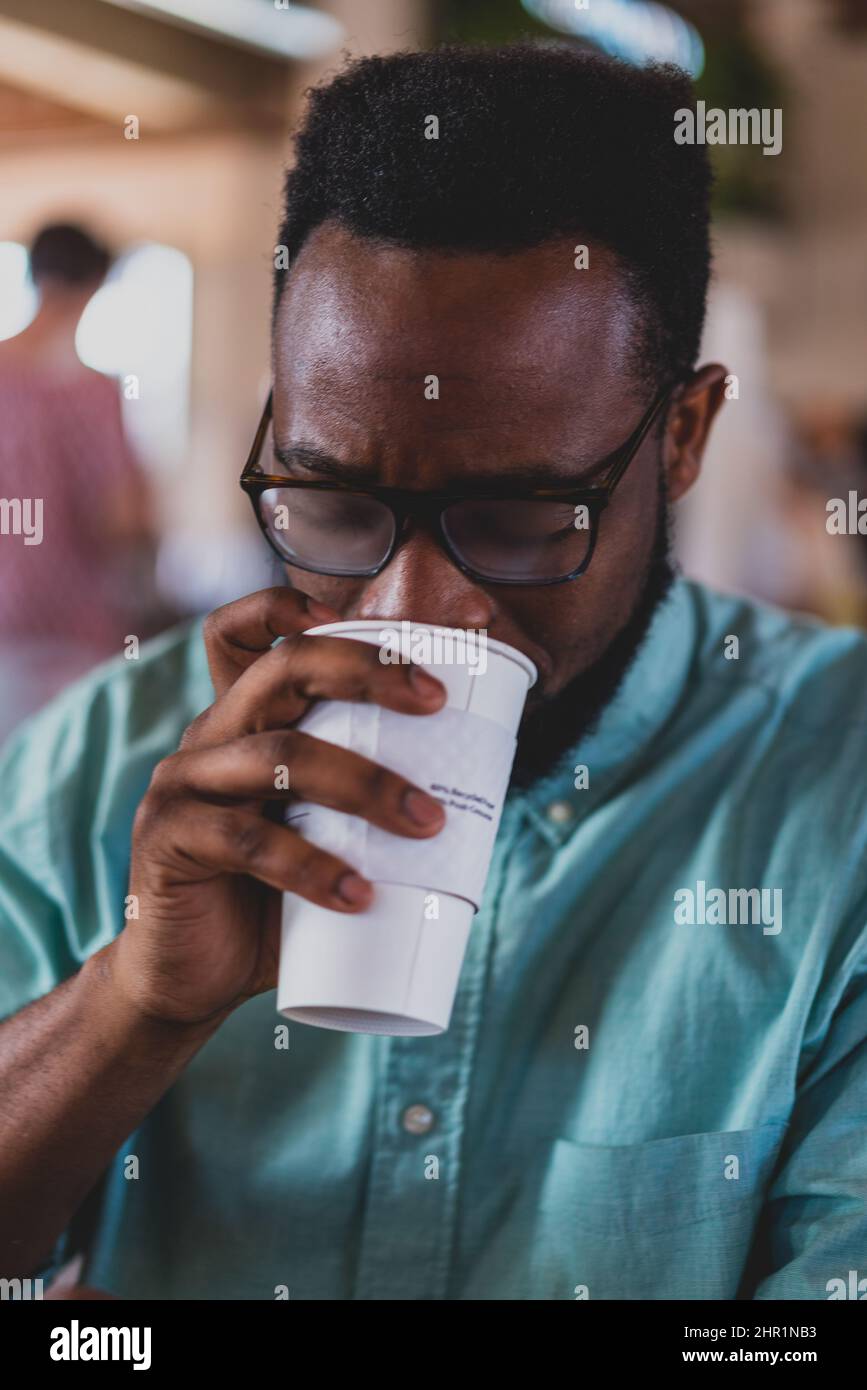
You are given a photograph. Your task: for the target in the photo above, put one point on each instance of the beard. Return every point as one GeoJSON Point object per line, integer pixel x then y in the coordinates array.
{"type": "Point", "coordinates": [559, 722]}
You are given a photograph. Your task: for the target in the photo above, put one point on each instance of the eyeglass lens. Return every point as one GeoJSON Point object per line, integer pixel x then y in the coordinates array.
{"type": "Point", "coordinates": [346, 533]}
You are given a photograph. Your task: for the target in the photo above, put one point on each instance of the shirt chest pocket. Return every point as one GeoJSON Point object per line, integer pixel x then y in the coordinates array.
{"type": "Point", "coordinates": [670, 1218]}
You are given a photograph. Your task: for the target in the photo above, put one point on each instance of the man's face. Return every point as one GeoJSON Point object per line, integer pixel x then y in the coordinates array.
{"type": "Point", "coordinates": [532, 358]}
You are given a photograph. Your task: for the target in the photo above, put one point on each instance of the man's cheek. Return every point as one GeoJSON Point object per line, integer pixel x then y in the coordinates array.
{"type": "Point", "coordinates": [573, 648]}
{"type": "Point", "coordinates": [338, 594]}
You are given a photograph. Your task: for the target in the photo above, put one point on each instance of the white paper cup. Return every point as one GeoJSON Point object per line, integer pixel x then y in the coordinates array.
{"type": "Point", "coordinates": [394, 967]}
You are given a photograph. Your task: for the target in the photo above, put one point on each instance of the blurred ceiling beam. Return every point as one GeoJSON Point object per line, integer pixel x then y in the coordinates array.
{"type": "Point", "coordinates": [111, 63]}
{"type": "Point", "coordinates": [286, 31]}
{"type": "Point", "coordinates": [26, 114]}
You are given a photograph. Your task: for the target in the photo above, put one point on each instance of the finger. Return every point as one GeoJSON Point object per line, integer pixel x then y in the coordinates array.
{"type": "Point", "coordinates": [281, 686]}
{"type": "Point", "coordinates": [239, 633]}
{"type": "Point", "coordinates": [200, 839]}
{"type": "Point", "coordinates": [280, 765]}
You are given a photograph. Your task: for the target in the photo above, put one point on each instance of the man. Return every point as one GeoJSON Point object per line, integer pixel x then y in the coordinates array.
{"type": "Point", "coordinates": [647, 1090]}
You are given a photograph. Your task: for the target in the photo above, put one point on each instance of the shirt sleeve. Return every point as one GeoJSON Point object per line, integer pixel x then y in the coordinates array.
{"type": "Point", "coordinates": [34, 954]}
{"type": "Point", "coordinates": [61, 888]}
{"type": "Point", "coordinates": [814, 1227]}
{"type": "Point", "coordinates": [72, 777]}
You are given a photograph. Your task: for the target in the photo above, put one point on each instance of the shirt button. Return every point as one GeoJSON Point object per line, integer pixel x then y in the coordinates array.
{"type": "Point", "coordinates": [560, 812]}
{"type": "Point", "coordinates": [417, 1119]}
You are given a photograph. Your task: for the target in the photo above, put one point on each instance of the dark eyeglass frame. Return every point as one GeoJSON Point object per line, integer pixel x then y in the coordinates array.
{"type": "Point", "coordinates": [429, 506]}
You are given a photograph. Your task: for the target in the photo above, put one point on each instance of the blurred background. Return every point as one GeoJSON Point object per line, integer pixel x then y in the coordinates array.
{"type": "Point", "coordinates": [163, 128]}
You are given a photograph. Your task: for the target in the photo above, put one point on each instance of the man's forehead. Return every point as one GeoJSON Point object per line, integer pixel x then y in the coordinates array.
{"type": "Point", "coordinates": [353, 307]}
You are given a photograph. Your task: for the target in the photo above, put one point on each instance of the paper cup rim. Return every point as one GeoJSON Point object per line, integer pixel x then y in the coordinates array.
{"type": "Point", "coordinates": [371, 624]}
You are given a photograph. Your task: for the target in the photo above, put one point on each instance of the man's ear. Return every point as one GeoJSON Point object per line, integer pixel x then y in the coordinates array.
{"type": "Point", "coordinates": [692, 412]}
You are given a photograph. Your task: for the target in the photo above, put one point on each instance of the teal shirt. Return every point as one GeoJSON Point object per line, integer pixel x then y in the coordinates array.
{"type": "Point", "coordinates": [626, 1105]}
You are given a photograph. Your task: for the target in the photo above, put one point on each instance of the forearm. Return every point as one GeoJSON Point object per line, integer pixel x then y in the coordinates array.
{"type": "Point", "coordinates": [79, 1070]}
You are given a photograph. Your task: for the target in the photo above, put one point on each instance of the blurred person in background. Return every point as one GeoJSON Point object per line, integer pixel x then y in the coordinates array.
{"type": "Point", "coordinates": [75, 523]}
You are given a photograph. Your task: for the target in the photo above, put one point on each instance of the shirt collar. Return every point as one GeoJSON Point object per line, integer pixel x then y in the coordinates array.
{"type": "Point", "coordinates": [648, 696]}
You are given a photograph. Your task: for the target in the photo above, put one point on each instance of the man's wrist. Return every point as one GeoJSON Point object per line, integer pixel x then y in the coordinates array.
{"type": "Point", "coordinates": [126, 1018]}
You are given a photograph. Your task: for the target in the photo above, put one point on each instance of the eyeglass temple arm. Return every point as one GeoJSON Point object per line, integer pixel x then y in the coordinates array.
{"type": "Point", "coordinates": [629, 454]}
{"type": "Point", "coordinates": [256, 447]}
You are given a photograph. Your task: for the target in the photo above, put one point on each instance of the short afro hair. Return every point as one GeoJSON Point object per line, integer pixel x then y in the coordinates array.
{"type": "Point", "coordinates": [535, 141]}
{"type": "Point", "coordinates": [63, 251]}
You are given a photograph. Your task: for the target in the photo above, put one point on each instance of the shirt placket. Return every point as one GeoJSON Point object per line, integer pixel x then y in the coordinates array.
{"type": "Point", "coordinates": [409, 1222]}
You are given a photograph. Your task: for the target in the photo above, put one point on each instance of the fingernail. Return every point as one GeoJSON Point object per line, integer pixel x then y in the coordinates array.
{"type": "Point", "coordinates": [426, 685]}
{"type": "Point", "coordinates": [421, 809]}
{"type": "Point", "coordinates": [352, 888]}
{"type": "Point", "coordinates": [321, 612]}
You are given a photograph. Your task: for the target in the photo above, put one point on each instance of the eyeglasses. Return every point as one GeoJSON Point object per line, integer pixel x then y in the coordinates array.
{"type": "Point", "coordinates": [494, 535]}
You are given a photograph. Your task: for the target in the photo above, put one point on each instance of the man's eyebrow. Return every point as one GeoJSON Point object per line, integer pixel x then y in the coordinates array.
{"type": "Point", "coordinates": [563, 473]}
{"type": "Point", "coordinates": [314, 460]}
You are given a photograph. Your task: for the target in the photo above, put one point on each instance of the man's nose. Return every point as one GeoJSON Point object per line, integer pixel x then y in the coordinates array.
{"type": "Point", "coordinates": [422, 585]}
